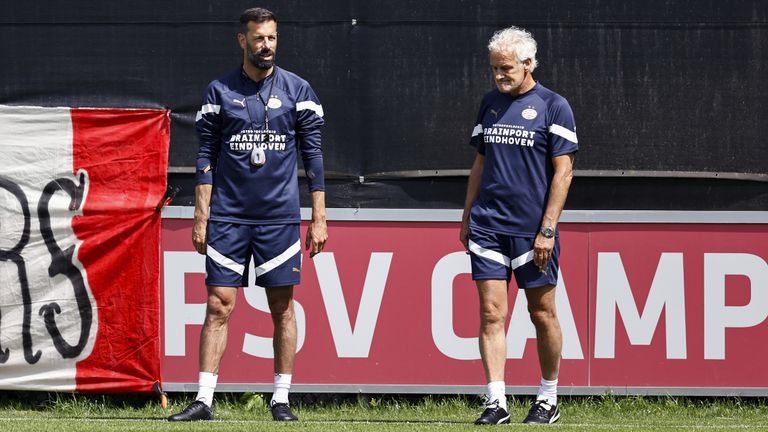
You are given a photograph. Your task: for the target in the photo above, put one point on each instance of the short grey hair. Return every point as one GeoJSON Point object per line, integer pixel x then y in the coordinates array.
{"type": "Point", "coordinates": [517, 40]}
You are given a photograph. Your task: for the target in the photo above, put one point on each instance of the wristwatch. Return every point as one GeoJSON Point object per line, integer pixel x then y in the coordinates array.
{"type": "Point", "coordinates": [547, 232]}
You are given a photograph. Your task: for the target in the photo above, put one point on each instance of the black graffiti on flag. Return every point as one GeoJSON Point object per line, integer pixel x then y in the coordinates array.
{"type": "Point", "coordinates": [61, 264]}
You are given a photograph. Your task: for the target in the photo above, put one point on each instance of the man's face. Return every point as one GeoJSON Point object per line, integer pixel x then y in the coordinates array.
{"type": "Point", "coordinates": [260, 43]}
{"type": "Point", "coordinates": [508, 73]}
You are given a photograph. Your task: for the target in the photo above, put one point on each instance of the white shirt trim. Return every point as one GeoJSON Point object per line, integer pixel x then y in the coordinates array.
{"type": "Point", "coordinates": [206, 109]}
{"type": "Point", "coordinates": [477, 130]}
{"type": "Point", "coordinates": [564, 132]}
{"type": "Point", "coordinates": [310, 105]}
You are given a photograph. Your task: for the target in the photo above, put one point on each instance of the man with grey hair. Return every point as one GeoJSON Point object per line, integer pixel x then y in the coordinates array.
{"type": "Point", "coordinates": [525, 136]}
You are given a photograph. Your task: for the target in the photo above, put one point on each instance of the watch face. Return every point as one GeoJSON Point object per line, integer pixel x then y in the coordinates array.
{"type": "Point", "coordinates": [547, 232]}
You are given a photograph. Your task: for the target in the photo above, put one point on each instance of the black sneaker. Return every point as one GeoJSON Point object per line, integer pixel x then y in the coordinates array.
{"type": "Point", "coordinates": [282, 412]}
{"type": "Point", "coordinates": [542, 413]}
{"type": "Point", "coordinates": [493, 414]}
{"type": "Point", "coordinates": [195, 411]}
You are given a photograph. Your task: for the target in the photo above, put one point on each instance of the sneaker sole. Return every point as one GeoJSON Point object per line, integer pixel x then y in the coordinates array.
{"type": "Point", "coordinates": [555, 418]}
{"type": "Point", "coordinates": [504, 420]}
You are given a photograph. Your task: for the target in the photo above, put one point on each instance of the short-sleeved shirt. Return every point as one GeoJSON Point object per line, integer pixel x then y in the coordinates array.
{"type": "Point", "coordinates": [519, 136]}
{"type": "Point", "coordinates": [232, 122]}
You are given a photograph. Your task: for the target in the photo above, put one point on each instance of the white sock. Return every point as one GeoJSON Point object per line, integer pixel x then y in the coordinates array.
{"type": "Point", "coordinates": [282, 386]}
{"type": "Point", "coordinates": [497, 392]}
{"type": "Point", "coordinates": [206, 384]}
{"type": "Point", "coordinates": [548, 391]}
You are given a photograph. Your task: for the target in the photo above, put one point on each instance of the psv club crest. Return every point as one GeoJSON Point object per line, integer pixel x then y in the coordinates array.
{"type": "Point", "coordinates": [529, 113]}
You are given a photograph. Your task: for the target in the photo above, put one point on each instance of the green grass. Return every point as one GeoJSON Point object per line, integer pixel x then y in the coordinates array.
{"type": "Point", "coordinates": [62, 412]}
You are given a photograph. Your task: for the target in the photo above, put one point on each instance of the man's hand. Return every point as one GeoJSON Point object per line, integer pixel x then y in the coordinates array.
{"type": "Point", "coordinates": [317, 235]}
{"type": "Point", "coordinates": [199, 235]}
{"type": "Point", "coordinates": [473, 189]}
{"type": "Point", "coordinates": [542, 251]}
{"type": "Point", "coordinates": [464, 234]}
{"type": "Point", "coordinates": [200, 227]}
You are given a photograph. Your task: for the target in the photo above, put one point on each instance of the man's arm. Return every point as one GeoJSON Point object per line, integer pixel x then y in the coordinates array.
{"type": "Point", "coordinates": [317, 232]}
{"type": "Point", "coordinates": [473, 189]}
{"type": "Point", "coordinates": [309, 122]}
{"type": "Point", "coordinates": [200, 227]}
{"type": "Point", "coordinates": [558, 192]}
{"type": "Point", "coordinates": [208, 128]}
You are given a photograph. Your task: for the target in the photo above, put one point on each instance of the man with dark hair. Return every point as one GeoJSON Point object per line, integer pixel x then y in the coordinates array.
{"type": "Point", "coordinates": [525, 137]}
{"type": "Point", "coordinates": [252, 125]}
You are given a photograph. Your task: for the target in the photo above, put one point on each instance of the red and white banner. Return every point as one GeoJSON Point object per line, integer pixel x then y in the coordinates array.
{"type": "Point", "coordinates": [79, 247]}
{"type": "Point", "coordinates": [393, 303]}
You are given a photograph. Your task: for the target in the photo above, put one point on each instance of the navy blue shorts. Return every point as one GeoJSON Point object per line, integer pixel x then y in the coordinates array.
{"type": "Point", "coordinates": [495, 256]}
{"type": "Point", "coordinates": [276, 251]}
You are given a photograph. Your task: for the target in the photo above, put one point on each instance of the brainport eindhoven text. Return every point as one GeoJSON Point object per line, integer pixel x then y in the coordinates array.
{"type": "Point", "coordinates": [267, 140]}
{"type": "Point", "coordinates": [506, 135]}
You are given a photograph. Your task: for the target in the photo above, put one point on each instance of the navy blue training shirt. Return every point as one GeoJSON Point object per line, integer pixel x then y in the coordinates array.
{"type": "Point", "coordinates": [519, 136]}
{"type": "Point", "coordinates": [232, 121]}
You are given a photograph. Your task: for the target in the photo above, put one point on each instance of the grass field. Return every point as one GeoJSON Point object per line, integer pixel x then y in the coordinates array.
{"type": "Point", "coordinates": [61, 412]}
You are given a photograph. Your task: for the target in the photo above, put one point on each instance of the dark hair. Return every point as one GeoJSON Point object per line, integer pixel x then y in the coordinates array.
{"type": "Point", "coordinates": [257, 15]}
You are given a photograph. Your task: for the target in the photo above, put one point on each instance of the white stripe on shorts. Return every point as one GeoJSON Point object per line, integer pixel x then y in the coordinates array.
{"type": "Point", "coordinates": [522, 259]}
{"type": "Point", "coordinates": [488, 254]}
{"type": "Point", "coordinates": [224, 261]}
{"type": "Point", "coordinates": [499, 257]}
{"type": "Point", "coordinates": [276, 261]}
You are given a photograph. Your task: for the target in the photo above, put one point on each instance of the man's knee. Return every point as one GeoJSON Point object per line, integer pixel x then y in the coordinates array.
{"type": "Point", "coordinates": [280, 304]}
{"type": "Point", "coordinates": [282, 309]}
{"type": "Point", "coordinates": [543, 316]}
{"type": "Point", "coordinates": [493, 314]}
{"type": "Point", "coordinates": [493, 302]}
{"type": "Point", "coordinates": [541, 305]}
{"type": "Point", "coordinates": [219, 309]}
